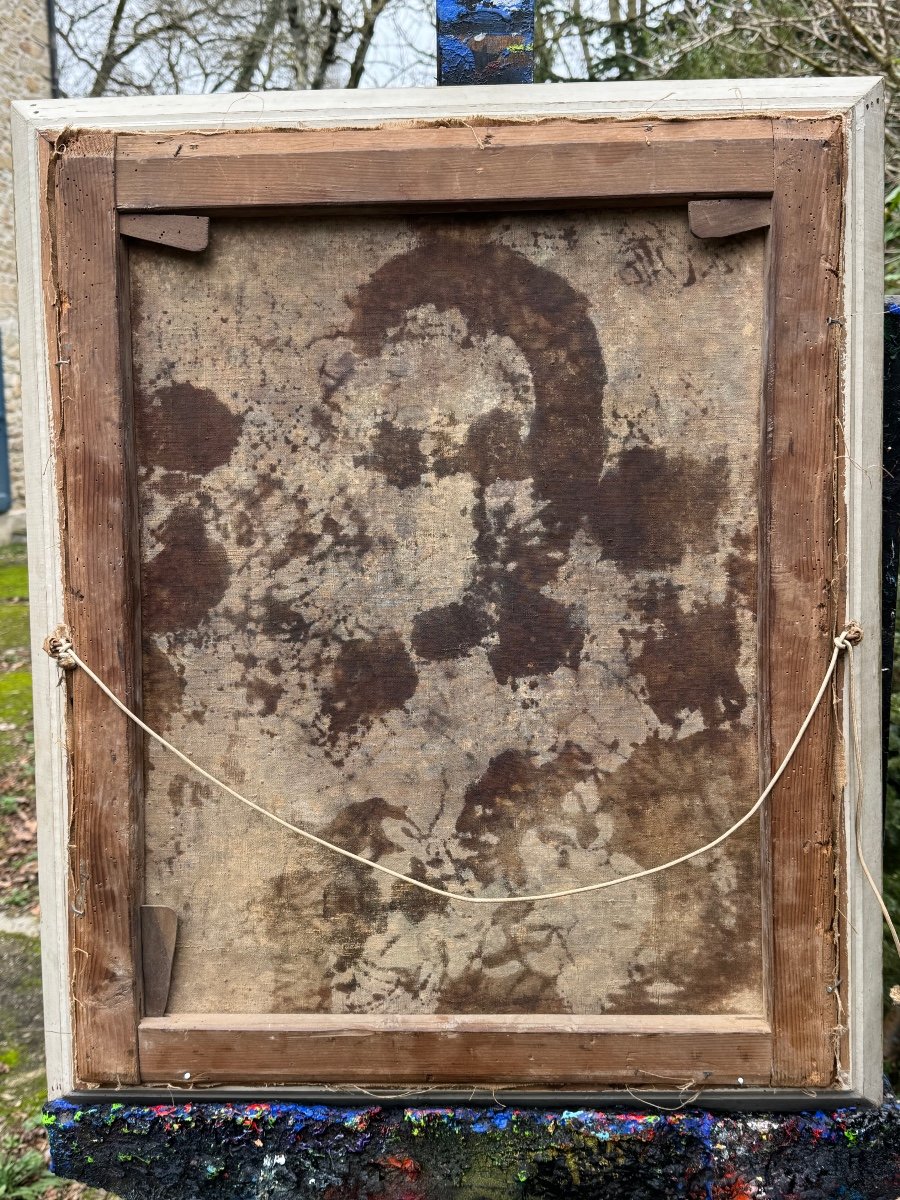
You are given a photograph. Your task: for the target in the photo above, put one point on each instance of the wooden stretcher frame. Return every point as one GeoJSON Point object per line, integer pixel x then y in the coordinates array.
{"type": "Point", "coordinates": [807, 155]}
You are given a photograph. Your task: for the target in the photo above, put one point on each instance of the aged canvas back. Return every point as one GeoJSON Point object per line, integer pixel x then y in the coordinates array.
{"type": "Point", "coordinates": [449, 534]}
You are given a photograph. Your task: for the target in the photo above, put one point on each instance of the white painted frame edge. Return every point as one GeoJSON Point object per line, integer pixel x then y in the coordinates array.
{"type": "Point", "coordinates": [735, 97]}
{"type": "Point", "coordinates": [858, 100]}
{"type": "Point", "coordinates": [863, 254]}
{"type": "Point", "coordinates": [45, 573]}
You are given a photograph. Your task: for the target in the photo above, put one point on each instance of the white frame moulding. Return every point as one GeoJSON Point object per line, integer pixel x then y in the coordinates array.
{"type": "Point", "coordinates": [858, 101]}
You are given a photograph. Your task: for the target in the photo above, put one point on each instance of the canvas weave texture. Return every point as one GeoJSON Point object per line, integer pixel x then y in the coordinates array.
{"type": "Point", "coordinates": [449, 553]}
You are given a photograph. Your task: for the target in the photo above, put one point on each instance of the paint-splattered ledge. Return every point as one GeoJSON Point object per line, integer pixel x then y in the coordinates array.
{"type": "Point", "coordinates": [290, 1150]}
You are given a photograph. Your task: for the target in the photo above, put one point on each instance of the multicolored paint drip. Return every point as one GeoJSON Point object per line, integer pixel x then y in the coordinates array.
{"type": "Point", "coordinates": [485, 41]}
{"type": "Point", "coordinates": [289, 1151]}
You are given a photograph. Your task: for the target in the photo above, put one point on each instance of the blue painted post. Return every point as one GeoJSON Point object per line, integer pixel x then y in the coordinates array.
{"type": "Point", "coordinates": [485, 41]}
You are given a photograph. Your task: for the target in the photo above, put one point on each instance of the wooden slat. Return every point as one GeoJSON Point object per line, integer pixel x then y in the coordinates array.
{"type": "Point", "coordinates": [802, 400]}
{"type": "Point", "coordinates": [159, 930]}
{"type": "Point", "coordinates": [177, 230]}
{"type": "Point", "coordinates": [726, 218]}
{"type": "Point", "coordinates": [462, 164]}
{"type": "Point", "coordinates": [243, 1048]}
{"type": "Point", "coordinates": [98, 481]}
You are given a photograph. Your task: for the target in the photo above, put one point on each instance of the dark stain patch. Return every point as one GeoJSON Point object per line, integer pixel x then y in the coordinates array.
{"type": "Point", "coordinates": [181, 427]}
{"type": "Point", "coordinates": [307, 922]}
{"type": "Point", "coordinates": [502, 975]}
{"type": "Point", "coordinates": [163, 685]}
{"type": "Point", "coordinates": [341, 916]}
{"type": "Point", "coordinates": [689, 660]}
{"type": "Point", "coordinates": [653, 507]}
{"type": "Point", "coordinates": [743, 565]}
{"type": "Point", "coordinates": [520, 988]}
{"type": "Point", "coordinates": [173, 484]}
{"type": "Point", "coordinates": [322, 419]}
{"type": "Point", "coordinates": [187, 578]}
{"type": "Point", "coordinates": [641, 260]}
{"type": "Point", "coordinates": [396, 454]}
{"type": "Point", "coordinates": [335, 376]}
{"type": "Point", "coordinates": [661, 798]}
{"type": "Point", "coordinates": [369, 679]}
{"type": "Point", "coordinates": [282, 621]}
{"type": "Point", "coordinates": [493, 450]}
{"type": "Point", "coordinates": [501, 292]}
{"type": "Point", "coordinates": [449, 631]}
{"type": "Point", "coordinates": [352, 538]}
{"type": "Point", "coordinates": [513, 795]}
{"type": "Point", "coordinates": [350, 904]}
{"type": "Point", "coordinates": [300, 540]}
{"type": "Point", "coordinates": [263, 695]}
{"type": "Point", "coordinates": [360, 826]}
{"type": "Point", "coordinates": [536, 635]}
{"type": "Point", "coordinates": [187, 791]}
{"type": "Point", "coordinates": [244, 530]}
{"type": "Point", "coordinates": [413, 902]}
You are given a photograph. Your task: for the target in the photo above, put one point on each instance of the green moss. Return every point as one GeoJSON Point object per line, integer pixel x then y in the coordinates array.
{"type": "Point", "coordinates": [21, 1037]}
{"type": "Point", "coordinates": [14, 627]}
{"type": "Point", "coordinates": [15, 698]}
{"type": "Point", "coordinates": [13, 581]}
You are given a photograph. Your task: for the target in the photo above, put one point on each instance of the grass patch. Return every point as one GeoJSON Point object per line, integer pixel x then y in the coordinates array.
{"type": "Point", "coordinates": [13, 581]}
{"type": "Point", "coordinates": [14, 633]}
{"type": "Point", "coordinates": [15, 698]}
{"type": "Point", "coordinates": [23, 1172]}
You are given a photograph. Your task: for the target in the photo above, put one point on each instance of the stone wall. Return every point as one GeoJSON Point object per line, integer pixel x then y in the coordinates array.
{"type": "Point", "coordinates": [24, 74]}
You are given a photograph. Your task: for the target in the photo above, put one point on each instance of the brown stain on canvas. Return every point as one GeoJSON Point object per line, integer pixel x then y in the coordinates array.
{"type": "Point", "coordinates": [396, 453]}
{"type": "Point", "coordinates": [449, 630]}
{"type": "Point", "coordinates": [743, 566]}
{"type": "Point", "coordinates": [345, 911]}
{"type": "Point", "coordinates": [187, 578]}
{"type": "Point", "coordinates": [316, 925]}
{"type": "Point", "coordinates": [652, 507]}
{"type": "Point", "coordinates": [370, 678]}
{"type": "Point", "coordinates": [689, 660]}
{"type": "Point", "coordinates": [514, 794]}
{"type": "Point", "coordinates": [163, 684]}
{"type": "Point", "coordinates": [181, 427]}
{"type": "Point", "coordinates": [501, 292]}
{"type": "Point", "coordinates": [520, 987]}
{"type": "Point", "coordinates": [701, 783]}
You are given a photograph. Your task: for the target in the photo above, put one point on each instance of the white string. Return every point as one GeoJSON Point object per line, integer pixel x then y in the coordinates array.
{"type": "Point", "coordinates": [62, 650]}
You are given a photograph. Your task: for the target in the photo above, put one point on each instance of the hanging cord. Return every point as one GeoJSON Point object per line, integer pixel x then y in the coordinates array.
{"type": "Point", "coordinates": [857, 756]}
{"type": "Point", "coordinates": [60, 648]}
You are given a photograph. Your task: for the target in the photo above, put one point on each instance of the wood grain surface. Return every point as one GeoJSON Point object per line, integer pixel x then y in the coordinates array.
{"type": "Point", "coordinates": [159, 932]}
{"type": "Point", "coordinates": [243, 1049]}
{"type": "Point", "coordinates": [805, 592]}
{"type": "Point", "coordinates": [725, 218]}
{"type": "Point", "coordinates": [462, 164]}
{"type": "Point", "coordinates": [98, 490]}
{"type": "Point", "coordinates": [178, 230]}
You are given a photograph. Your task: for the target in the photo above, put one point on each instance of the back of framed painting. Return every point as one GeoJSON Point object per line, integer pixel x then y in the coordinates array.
{"type": "Point", "coordinates": [462, 512]}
